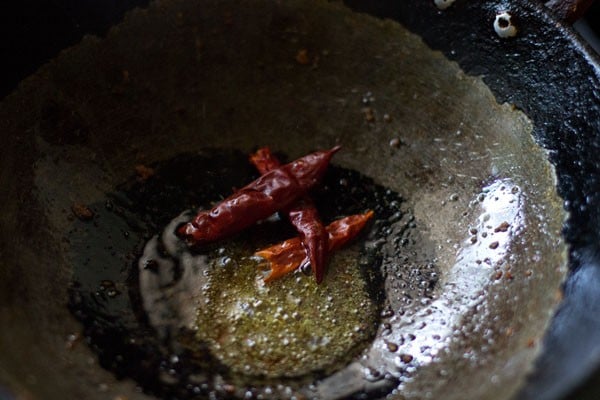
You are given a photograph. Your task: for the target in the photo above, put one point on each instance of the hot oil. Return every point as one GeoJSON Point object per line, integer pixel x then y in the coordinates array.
{"type": "Point", "coordinates": [288, 328]}
{"type": "Point", "coordinates": [186, 322]}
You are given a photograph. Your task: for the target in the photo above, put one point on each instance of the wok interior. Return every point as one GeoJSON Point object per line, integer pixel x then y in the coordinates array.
{"type": "Point", "coordinates": [183, 76]}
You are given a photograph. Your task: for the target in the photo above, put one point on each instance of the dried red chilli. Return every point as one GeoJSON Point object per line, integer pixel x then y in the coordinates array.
{"type": "Point", "coordinates": [286, 257]}
{"type": "Point", "coordinates": [272, 192]}
{"type": "Point", "coordinates": [304, 216]}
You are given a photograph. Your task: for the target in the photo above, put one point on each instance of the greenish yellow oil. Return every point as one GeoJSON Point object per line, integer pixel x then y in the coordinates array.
{"type": "Point", "coordinates": [288, 327]}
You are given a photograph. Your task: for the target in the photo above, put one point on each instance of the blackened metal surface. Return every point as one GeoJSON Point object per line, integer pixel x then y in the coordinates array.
{"type": "Point", "coordinates": [37, 30]}
{"type": "Point", "coordinates": [548, 73]}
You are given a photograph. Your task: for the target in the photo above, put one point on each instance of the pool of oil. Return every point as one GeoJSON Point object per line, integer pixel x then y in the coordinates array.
{"type": "Point", "coordinates": [183, 322]}
{"type": "Point", "coordinates": [289, 328]}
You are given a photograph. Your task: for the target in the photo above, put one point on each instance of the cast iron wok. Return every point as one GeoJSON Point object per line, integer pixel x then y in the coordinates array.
{"type": "Point", "coordinates": [565, 125]}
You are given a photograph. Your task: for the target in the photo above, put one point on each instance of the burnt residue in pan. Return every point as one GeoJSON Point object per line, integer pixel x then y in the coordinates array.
{"type": "Point", "coordinates": [184, 324]}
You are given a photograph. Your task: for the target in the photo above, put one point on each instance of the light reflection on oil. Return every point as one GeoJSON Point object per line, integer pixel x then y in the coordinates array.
{"type": "Point", "coordinates": [167, 308]}
{"type": "Point", "coordinates": [415, 341]}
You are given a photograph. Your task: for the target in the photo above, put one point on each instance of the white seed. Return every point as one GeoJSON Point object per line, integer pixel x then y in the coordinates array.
{"type": "Point", "coordinates": [503, 25]}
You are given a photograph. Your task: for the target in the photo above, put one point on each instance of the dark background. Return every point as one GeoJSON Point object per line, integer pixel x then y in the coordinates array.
{"type": "Point", "coordinates": [34, 31]}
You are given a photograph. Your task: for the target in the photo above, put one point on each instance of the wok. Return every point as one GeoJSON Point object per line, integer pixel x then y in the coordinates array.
{"type": "Point", "coordinates": [74, 131]}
